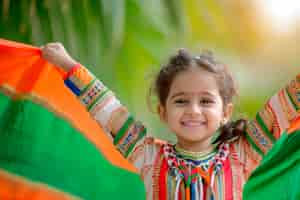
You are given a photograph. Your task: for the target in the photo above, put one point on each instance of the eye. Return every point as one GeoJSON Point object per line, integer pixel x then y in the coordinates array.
{"type": "Point", "coordinates": [207, 101]}
{"type": "Point", "coordinates": [181, 101]}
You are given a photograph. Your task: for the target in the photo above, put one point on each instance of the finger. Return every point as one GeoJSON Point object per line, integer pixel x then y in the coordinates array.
{"type": "Point", "coordinates": [51, 44]}
{"type": "Point", "coordinates": [55, 44]}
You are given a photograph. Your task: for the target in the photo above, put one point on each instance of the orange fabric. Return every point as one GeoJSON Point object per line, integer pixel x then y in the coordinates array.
{"type": "Point", "coordinates": [187, 193]}
{"type": "Point", "coordinates": [295, 125]}
{"type": "Point", "coordinates": [25, 72]}
{"type": "Point", "coordinates": [17, 188]}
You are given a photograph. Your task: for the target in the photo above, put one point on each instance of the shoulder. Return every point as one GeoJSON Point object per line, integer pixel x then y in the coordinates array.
{"type": "Point", "coordinates": [150, 147]}
{"type": "Point", "coordinates": [155, 141]}
{"type": "Point", "coordinates": [154, 145]}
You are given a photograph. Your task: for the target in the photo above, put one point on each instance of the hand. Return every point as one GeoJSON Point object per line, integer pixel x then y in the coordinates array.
{"type": "Point", "coordinates": [56, 54]}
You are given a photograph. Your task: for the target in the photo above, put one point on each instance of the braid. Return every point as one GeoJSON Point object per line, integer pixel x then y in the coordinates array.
{"type": "Point", "coordinates": [231, 130]}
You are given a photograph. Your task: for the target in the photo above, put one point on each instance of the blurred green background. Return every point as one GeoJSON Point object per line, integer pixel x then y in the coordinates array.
{"type": "Point", "coordinates": [124, 42]}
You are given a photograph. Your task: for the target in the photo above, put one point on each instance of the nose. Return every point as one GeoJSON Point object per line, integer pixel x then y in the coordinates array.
{"type": "Point", "coordinates": [194, 109]}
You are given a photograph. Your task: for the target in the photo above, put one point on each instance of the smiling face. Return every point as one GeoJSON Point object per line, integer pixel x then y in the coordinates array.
{"type": "Point", "coordinates": [194, 108]}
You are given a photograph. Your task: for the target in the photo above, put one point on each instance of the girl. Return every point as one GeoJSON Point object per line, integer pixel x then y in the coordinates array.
{"type": "Point", "coordinates": [213, 157]}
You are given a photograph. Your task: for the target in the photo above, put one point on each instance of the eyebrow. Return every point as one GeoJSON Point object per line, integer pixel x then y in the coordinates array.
{"type": "Point", "coordinates": [188, 93]}
{"type": "Point", "coordinates": [177, 94]}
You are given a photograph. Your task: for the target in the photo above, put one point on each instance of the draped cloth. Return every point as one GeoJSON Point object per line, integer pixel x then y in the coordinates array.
{"type": "Point", "coordinates": [50, 147]}
{"type": "Point", "coordinates": [278, 175]}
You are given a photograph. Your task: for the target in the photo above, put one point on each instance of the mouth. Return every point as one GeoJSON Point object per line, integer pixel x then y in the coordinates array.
{"type": "Point", "coordinates": [193, 123]}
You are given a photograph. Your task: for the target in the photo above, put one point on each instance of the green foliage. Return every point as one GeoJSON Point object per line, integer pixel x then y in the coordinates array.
{"type": "Point", "coordinates": [123, 41]}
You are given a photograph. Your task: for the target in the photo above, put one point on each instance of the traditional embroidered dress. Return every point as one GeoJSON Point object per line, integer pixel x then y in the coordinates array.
{"type": "Point", "coordinates": [171, 173]}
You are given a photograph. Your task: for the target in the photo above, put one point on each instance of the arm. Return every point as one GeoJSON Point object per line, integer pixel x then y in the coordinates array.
{"type": "Point", "coordinates": [275, 118]}
{"type": "Point", "coordinates": [99, 101]}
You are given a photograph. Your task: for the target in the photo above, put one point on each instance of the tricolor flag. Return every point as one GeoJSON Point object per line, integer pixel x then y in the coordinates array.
{"type": "Point", "coordinates": [50, 148]}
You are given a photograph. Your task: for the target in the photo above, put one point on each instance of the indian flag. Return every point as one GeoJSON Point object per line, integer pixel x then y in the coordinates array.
{"type": "Point", "coordinates": [50, 148]}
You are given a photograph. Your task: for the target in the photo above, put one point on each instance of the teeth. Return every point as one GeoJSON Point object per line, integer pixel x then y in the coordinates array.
{"type": "Point", "coordinates": [190, 123]}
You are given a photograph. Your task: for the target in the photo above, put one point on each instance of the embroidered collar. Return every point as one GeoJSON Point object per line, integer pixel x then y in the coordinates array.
{"type": "Point", "coordinates": [195, 156]}
{"type": "Point", "coordinates": [190, 169]}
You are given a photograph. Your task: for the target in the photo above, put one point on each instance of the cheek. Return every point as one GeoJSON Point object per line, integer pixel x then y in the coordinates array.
{"type": "Point", "coordinates": [173, 113]}
{"type": "Point", "coordinates": [215, 115]}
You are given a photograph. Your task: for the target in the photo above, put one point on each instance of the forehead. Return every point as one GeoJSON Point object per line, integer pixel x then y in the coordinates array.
{"type": "Point", "coordinates": [195, 81]}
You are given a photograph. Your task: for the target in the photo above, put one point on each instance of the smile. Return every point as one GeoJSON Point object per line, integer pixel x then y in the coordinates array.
{"type": "Point", "coordinates": [193, 123]}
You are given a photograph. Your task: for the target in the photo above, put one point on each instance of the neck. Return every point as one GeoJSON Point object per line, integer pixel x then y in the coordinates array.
{"type": "Point", "coordinates": [203, 147]}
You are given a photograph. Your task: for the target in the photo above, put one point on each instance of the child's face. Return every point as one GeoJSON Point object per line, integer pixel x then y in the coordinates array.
{"type": "Point", "coordinates": [194, 108]}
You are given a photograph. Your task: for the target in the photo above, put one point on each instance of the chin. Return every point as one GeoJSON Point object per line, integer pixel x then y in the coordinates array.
{"type": "Point", "coordinates": [193, 139]}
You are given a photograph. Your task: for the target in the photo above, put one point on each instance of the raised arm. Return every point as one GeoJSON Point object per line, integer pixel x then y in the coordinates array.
{"type": "Point", "coordinates": [275, 118]}
{"type": "Point", "coordinates": [99, 101]}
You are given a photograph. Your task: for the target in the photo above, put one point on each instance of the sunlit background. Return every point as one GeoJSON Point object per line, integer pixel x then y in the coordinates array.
{"type": "Point", "coordinates": [124, 41]}
{"type": "Point", "coordinates": [283, 14]}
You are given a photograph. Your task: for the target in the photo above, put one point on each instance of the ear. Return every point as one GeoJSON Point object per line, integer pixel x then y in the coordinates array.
{"type": "Point", "coordinates": [228, 110]}
{"type": "Point", "coordinates": [162, 113]}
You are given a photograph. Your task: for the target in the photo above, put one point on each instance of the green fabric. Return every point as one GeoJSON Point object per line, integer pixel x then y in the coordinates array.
{"type": "Point", "coordinates": [278, 176]}
{"type": "Point", "coordinates": [264, 128]}
{"type": "Point", "coordinates": [39, 145]}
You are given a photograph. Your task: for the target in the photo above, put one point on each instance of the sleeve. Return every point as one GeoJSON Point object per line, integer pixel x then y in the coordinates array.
{"type": "Point", "coordinates": [275, 118]}
{"type": "Point", "coordinates": [106, 109]}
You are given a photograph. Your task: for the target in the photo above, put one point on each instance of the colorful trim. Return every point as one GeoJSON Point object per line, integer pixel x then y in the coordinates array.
{"type": "Point", "coordinates": [237, 172]}
{"type": "Point", "coordinates": [162, 180]}
{"type": "Point", "coordinates": [156, 173]}
{"type": "Point", "coordinates": [253, 144]}
{"type": "Point", "coordinates": [195, 177]}
{"type": "Point", "coordinates": [92, 91]}
{"type": "Point", "coordinates": [263, 126]}
{"type": "Point", "coordinates": [72, 71]}
{"type": "Point", "coordinates": [72, 87]}
{"type": "Point", "coordinates": [287, 105]}
{"type": "Point", "coordinates": [293, 91]}
{"type": "Point", "coordinates": [123, 130]}
{"type": "Point", "coordinates": [129, 135]}
{"type": "Point", "coordinates": [99, 98]}
{"type": "Point", "coordinates": [102, 100]}
{"type": "Point", "coordinates": [228, 180]}
{"type": "Point", "coordinates": [141, 135]}
{"type": "Point", "coordinates": [194, 155]}
{"type": "Point", "coordinates": [255, 132]}
{"type": "Point", "coordinates": [79, 79]}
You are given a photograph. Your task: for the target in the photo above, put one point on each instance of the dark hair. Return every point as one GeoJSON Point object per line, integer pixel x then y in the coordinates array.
{"type": "Point", "coordinates": [227, 88]}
